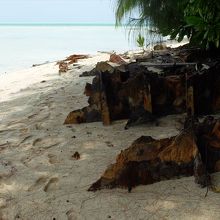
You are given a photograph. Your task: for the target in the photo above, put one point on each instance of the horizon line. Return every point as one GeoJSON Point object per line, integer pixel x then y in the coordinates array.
{"type": "Point", "coordinates": [55, 24]}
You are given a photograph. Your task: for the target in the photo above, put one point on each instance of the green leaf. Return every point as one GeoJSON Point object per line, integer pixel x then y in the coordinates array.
{"type": "Point", "coordinates": [174, 34]}
{"type": "Point", "coordinates": [217, 43]}
{"type": "Point", "coordinates": [206, 34]}
{"type": "Point", "coordinates": [140, 40]}
{"type": "Point", "coordinates": [181, 36]}
{"type": "Point", "coordinates": [194, 20]}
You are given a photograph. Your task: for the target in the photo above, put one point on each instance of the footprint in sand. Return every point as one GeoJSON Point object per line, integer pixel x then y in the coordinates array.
{"type": "Point", "coordinates": [25, 139]}
{"type": "Point", "coordinates": [51, 185]}
{"type": "Point", "coordinates": [51, 104]}
{"type": "Point", "coordinates": [2, 215]}
{"type": "Point", "coordinates": [6, 170]}
{"type": "Point", "coordinates": [45, 142]}
{"type": "Point", "coordinates": [71, 215]}
{"type": "Point", "coordinates": [36, 141]}
{"type": "Point", "coordinates": [38, 184]}
{"type": "Point", "coordinates": [23, 130]}
{"type": "Point", "coordinates": [25, 160]}
{"type": "Point", "coordinates": [53, 159]}
{"type": "Point", "coordinates": [38, 126]}
{"type": "Point", "coordinates": [32, 116]}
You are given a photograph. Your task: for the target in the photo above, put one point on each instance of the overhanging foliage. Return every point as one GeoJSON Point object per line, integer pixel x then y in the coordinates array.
{"type": "Point", "coordinates": [199, 20]}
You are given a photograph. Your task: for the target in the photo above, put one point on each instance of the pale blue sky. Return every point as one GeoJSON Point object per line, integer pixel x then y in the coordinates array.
{"type": "Point", "coordinates": [57, 11]}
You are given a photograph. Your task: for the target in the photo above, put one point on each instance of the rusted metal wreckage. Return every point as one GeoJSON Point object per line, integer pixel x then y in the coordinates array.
{"type": "Point", "coordinates": [195, 151]}
{"type": "Point", "coordinates": [143, 91]}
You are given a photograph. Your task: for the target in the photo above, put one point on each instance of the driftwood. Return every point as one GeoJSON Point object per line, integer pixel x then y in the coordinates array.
{"type": "Point", "coordinates": [195, 151]}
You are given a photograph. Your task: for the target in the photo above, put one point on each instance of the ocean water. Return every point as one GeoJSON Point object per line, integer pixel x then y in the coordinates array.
{"type": "Point", "coordinates": [21, 46]}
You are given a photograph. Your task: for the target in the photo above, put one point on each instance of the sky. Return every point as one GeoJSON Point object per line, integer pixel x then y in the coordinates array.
{"type": "Point", "coordinates": [57, 11]}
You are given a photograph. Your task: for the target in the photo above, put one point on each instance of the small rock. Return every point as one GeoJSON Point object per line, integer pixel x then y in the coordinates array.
{"type": "Point", "coordinates": [215, 177]}
{"type": "Point", "coordinates": [76, 155]}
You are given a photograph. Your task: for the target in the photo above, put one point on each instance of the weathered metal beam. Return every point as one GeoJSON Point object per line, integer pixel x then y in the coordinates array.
{"type": "Point", "coordinates": [166, 64]}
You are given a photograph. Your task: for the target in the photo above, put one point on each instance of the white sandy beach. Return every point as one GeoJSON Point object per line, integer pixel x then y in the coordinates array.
{"type": "Point", "coordinates": [40, 180]}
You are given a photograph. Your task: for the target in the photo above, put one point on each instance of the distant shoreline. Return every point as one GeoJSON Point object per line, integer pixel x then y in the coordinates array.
{"type": "Point", "coordinates": [58, 24]}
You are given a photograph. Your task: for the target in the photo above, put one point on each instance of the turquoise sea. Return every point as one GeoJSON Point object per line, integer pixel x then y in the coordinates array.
{"type": "Point", "coordinates": [22, 45]}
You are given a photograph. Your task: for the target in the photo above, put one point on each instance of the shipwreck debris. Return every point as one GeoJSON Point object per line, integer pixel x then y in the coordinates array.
{"type": "Point", "coordinates": [75, 57]}
{"type": "Point", "coordinates": [63, 67]}
{"type": "Point", "coordinates": [195, 151]}
{"type": "Point", "coordinates": [166, 83]}
{"type": "Point", "coordinates": [114, 58]}
{"type": "Point", "coordinates": [92, 72]}
{"type": "Point", "coordinates": [64, 64]}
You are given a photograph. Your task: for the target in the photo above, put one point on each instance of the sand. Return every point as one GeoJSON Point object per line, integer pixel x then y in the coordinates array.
{"type": "Point", "coordinates": [39, 178]}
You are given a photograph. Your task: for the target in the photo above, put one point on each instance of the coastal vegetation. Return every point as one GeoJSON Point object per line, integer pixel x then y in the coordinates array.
{"type": "Point", "coordinates": [140, 41]}
{"type": "Point", "coordinates": [199, 20]}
